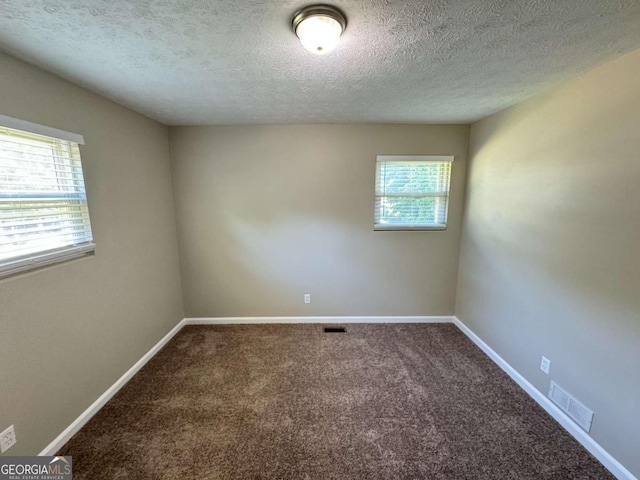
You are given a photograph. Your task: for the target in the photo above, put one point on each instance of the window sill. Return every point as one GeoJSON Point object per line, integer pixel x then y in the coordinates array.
{"type": "Point", "coordinates": [407, 228]}
{"type": "Point", "coordinates": [45, 259]}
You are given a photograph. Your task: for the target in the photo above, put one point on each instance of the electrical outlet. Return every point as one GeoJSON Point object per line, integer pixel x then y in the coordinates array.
{"type": "Point", "coordinates": [7, 439]}
{"type": "Point", "coordinates": [307, 298]}
{"type": "Point", "coordinates": [545, 365]}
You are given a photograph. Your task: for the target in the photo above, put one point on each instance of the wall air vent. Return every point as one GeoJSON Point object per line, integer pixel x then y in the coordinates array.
{"type": "Point", "coordinates": [572, 407]}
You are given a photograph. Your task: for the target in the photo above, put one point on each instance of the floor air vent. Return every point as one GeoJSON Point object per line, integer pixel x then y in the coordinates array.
{"type": "Point", "coordinates": [335, 330]}
{"type": "Point", "coordinates": [572, 407]}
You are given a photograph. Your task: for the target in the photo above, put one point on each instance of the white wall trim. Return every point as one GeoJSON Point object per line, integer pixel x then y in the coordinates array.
{"type": "Point", "coordinates": [358, 319]}
{"type": "Point", "coordinates": [79, 422]}
{"type": "Point", "coordinates": [615, 467]}
{"type": "Point", "coordinates": [85, 416]}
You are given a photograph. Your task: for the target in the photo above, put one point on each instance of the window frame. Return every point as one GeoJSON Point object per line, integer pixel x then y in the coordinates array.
{"type": "Point", "coordinates": [42, 258]}
{"type": "Point", "coordinates": [380, 159]}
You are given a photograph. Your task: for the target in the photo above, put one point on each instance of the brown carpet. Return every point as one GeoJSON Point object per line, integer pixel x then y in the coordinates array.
{"type": "Point", "coordinates": [291, 402]}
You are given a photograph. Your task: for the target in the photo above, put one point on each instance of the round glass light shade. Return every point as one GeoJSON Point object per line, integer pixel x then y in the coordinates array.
{"type": "Point", "coordinates": [319, 33]}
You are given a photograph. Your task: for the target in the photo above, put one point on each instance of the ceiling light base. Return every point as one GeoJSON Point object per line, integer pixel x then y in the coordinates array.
{"type": "Point", "coordinates": [322, 10]}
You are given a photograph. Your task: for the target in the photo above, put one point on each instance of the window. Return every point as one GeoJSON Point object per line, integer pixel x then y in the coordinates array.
{"type": "Point", "coordinates": [412, 192]}
{"type": "Point", "coordinates": [44, 217]}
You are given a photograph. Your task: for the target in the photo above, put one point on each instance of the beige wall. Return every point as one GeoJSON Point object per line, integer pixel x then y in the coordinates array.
{"type": "Point", "coordinates": [268, 213]}
{"type": "Point", "coordinates": [549, 261]}
{"type": "Point", "coordinates": [68, 332]}
{"type": "Point", "coordinates": [550, 257]}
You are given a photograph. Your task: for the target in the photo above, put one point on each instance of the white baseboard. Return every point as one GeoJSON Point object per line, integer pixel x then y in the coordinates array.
{"type": "Point", "coordinates": [79, 422]}
{"type": "Point", "coordinates": [359, 319]}
{"type": "Point", "coordinates": [615, 467]}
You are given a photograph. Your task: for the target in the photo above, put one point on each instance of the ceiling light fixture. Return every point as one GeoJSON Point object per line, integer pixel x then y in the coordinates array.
{"type": "Point", "coordinates": [319, 27]}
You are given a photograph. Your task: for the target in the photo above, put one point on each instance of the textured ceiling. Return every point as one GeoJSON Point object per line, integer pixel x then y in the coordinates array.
{"type": "Point", "coordinates": [237, 61]}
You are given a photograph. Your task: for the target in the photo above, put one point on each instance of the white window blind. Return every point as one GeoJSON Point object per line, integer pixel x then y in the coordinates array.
{"type": "Point", "coordinates": [44, 217]}
{"type": "Point", "coordinates": [412, 192]}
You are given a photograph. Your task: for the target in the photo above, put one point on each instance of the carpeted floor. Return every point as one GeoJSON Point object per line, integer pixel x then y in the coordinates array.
{"type": "Point", "coordinates": [412, 401]}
